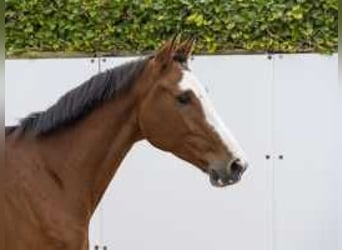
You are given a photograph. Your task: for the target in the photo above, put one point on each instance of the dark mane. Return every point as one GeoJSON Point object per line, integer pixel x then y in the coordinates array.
{"type": "Point", "coordinates": [9, 129]}
{"type": "Point", "coordinates": [83, 99]}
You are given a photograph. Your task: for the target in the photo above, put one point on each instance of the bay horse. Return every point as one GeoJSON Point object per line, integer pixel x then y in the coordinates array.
{"type": "Point", "coordinates": [59, 162]}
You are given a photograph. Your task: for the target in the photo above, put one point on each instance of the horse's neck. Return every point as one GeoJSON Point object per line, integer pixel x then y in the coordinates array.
{"type": "Point", "coordinates": [85, 157]}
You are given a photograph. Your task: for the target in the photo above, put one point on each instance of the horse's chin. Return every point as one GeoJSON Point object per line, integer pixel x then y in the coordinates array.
{"type": "Point", "coordinates": [219, 180]}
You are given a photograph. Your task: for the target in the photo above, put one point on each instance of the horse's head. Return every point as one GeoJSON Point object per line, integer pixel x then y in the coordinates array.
{"type": "Point", "coordinates": [177, 116]}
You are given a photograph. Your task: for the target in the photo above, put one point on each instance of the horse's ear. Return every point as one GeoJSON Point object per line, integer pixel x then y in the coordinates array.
{"type": "Point", "coordinates": [185, 49]}
{"type": "Point", "coordinates": [165, 55]}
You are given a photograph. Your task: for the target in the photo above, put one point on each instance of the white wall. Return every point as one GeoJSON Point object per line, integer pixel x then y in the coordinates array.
{"type": "Point", "coordinates": [305, 132]}
{"type": "Point", "coordinates": [159, 202]}
{"type": "Point", "coordinates": [339, 147]}
{"type": "Point", "coordinates": [34, 85]}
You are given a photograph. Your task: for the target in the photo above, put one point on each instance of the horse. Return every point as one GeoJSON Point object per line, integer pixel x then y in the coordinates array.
{"type": "Point", "coordinates": [59, 162]}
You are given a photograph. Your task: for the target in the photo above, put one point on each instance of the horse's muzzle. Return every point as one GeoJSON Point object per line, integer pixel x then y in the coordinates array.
{"type": "Point", "coordinates": [222, 175]}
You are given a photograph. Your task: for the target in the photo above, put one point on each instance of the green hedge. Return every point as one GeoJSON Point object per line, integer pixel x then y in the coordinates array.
{"type": "Point", "coordinates": [132, 26]}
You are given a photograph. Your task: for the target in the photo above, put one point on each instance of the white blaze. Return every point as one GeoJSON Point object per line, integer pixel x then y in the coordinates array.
{"type": "Point", "coordinates": [190, 82]}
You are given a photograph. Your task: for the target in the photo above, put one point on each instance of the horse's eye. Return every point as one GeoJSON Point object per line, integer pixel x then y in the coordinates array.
{"type": "Point", "coordinates": [184, 98]}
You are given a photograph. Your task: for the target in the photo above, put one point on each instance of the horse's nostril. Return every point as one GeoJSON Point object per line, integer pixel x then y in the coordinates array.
{"type": "Point", "coordinates": [237, 167]}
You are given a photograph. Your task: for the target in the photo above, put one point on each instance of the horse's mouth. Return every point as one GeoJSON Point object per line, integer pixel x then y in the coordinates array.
{"type": "Point", "coordinates": [219, 180]}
